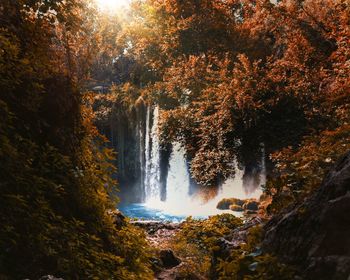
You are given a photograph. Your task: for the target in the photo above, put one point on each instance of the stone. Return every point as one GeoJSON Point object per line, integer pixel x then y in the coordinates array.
{"type": "Point", "coordinates": [236, 239]}
{"type": "Point", "coordinates": [251, 205]}
{"type": "Point", "coordinates": [118, 218]}
{"type": "Point", "coordinates": [250, 212]}
{"type": "Point", "coordinates": [225, 203]}
{"type": "Point", "coordinates": [315, 235]}
{"type": "Point", "coordinates": [235, 207]}
{"type": "Point", "coordinates": [156, 264]}
{"type": "Point", "coordinates": [168, 258]}
{"type": "Point", "coordinates": [152, 227]}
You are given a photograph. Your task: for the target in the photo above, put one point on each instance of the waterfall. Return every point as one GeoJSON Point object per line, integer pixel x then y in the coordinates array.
{"type": "Point", "coordinates": [176, 198]}
{"type": "Point", "coordinates": [178, 177]}
{"type": "Point", "coordinates": [142, 134]}
{"type": "Point", "coordinates": [152, 157]}
{"type": "Point", "coordinates": [178, 180]}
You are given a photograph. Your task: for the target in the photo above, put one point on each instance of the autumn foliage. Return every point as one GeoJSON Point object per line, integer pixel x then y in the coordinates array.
{"type": "Point", "coordinates": [233, 75]}
{"type": "Point", "coordinates": [55, 178]}
{"type": "Point", "coordinates": [230, 77]}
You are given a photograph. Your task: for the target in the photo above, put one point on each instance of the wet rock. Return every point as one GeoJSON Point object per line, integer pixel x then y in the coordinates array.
{"type": "Point", "coordinates": [250, 212]}
{"type": "Point", "coordinates": [168, 258]}
{"type": "Point", "coordinates": [225, 203]}
{"type": "Point", "coordinates": [251, 205]}
{"type": "Point", "coordinates": [235, 207]}
{"type": "Point", "coordinates": [236, 204]}
{"type": "Point", "coordinates": [315, 236]}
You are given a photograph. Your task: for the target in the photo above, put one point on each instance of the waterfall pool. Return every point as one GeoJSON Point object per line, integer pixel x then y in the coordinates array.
{"type": "Point", "coordinates": [145, 212]}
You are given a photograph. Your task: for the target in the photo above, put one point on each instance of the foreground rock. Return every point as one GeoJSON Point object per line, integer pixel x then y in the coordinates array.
{"type": "Point", "coordinates": [159, 233]}
{"type": "Point", "coordinates": [315, 236]}
{"type": "Point", "coordinates": [168, 258]}
{"type": "Point", "coordinates": [152, 227]}
{"type": "Point", "coordinates": [118, 218]}
{"type": "Point", "coordinates": [165, 264]}
{"type": "Point", "coordinates": [235, 240]}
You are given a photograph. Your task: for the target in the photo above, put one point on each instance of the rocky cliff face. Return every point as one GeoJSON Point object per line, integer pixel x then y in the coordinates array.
{"type": "Point", "coordinates": [315, 236]}
{"type": "Point", "coordinates": [125, 130]}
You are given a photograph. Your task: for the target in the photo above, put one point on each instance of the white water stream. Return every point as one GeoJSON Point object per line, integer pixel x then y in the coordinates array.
{"type": "Point", "coordinates": [178, 200]}
{"type": "Point", "coordinates": [152, 151]}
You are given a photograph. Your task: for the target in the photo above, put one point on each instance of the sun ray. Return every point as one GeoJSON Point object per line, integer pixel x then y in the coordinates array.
{"type": "Point", "coordinates": [110, 5]}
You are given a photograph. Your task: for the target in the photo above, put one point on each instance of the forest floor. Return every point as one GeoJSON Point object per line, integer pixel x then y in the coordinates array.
{"type": "Point", "coordinates": [171, 263]}
{"type": "Point", "coordinates": [160, 235]}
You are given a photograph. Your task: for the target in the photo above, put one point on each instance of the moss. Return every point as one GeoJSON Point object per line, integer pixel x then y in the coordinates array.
{"type": "Point", "coordinates": [225, 203]}
{"type": "Point", "coordinates": [235, 207]}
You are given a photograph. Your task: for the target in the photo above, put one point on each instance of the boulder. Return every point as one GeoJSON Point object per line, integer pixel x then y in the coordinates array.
{"type": "Point", "coordinates": [251, 205]}
{"type": "Point", "coordinates": [315, 235]}
{"type": "Point", "coordinates": [237, 238]}
{"type": "Point", "coordinates": [156, 264]}
{"type": "Point", "coordinates": [250, 212]}
{"type": "Point", "coordinates": [118, 218]}
{"type": "Point", "coordinates": [152, 227]}
{"type": "Point", "coordinates": [225, 203]}
{"type": "Point", "coordinates": [235, 207]}
{"type": "Point", "coordinates": [168, 258]}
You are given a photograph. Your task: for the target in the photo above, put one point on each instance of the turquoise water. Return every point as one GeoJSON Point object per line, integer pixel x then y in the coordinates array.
{"type": "Point", "coordinates": [143, 212]}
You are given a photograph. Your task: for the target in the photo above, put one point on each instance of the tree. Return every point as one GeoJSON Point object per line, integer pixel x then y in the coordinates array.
{"type": "Point", "coordinates": [55, 189]}
{"type": "Point", "coordinates": [233, 75]}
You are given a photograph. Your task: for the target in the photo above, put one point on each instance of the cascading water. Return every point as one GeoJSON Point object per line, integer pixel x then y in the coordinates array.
{"type": "Point", "coordinates": [152, 151]}
{"type": "Point", "coordinates": [141, 138]}
{"type": "Point", "coordinates": [178, 180]}
{"type": "Point", "coordinates": [177, 201]}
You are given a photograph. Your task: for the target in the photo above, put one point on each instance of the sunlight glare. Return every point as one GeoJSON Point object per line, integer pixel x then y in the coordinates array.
{"type": "Point", "coordinates": [111, 5]}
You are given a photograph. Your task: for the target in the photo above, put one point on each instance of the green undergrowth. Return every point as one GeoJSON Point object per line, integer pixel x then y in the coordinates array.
{"type": "Point", "coordinates": [196, 241]}
{"type": "Point", "coordinates": [133, 246]}
{"type": "Point", "coordinates": [197, 244]}
{"type": "Point", "coordinates": [249, 262]}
